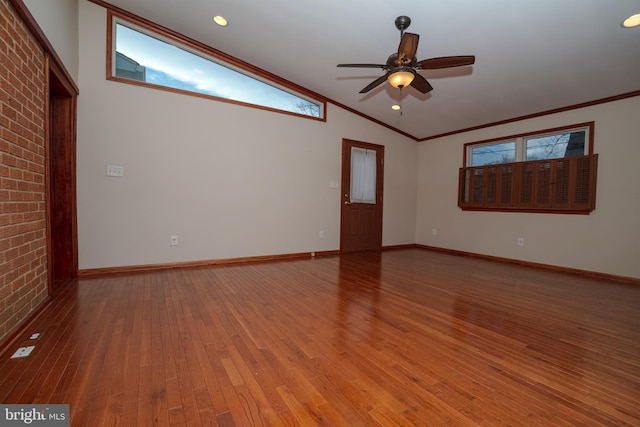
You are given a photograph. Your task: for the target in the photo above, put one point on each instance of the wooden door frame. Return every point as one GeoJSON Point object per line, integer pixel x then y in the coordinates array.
{"type": "Point", "coordinates": [60, 123]}
{"type": "Point", "coordinates": [345, 180]}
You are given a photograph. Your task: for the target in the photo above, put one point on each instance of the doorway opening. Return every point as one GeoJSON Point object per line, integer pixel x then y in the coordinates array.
{"type": "Point", "coordinates": [60, 180]}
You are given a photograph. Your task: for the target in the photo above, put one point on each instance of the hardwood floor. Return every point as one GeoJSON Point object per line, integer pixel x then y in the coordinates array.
{"type": "Point", "coordinates": [407, 337]}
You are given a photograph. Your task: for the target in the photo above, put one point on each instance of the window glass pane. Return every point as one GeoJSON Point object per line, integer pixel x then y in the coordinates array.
{"type": "Point", "coordinates": [550, 171]}
{"type": "Point", "coordinates": [363, 175]}
{"type": "Point", "coordinates": [148, 59]}
{"type": "Point", "coordinates": [569, 144]}
{"type": "Point", "coordinates": [504, 152]}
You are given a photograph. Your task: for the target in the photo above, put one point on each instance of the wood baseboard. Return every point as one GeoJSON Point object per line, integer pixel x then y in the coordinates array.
{"type": "Point", "coordinates": [576, 271]}
{"type": "Point", "coordinates": [399, 247]}
{"type": "Point", "coordinates": [270, 258]}
{"type": "Point", "coordinates": [226, 261]}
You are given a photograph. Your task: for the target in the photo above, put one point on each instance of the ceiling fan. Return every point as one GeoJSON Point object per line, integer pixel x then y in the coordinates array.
{"type": "Point", "coordinates": [401, 67]}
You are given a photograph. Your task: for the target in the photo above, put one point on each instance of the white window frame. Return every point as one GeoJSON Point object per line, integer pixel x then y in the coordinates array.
{"type": "Point", "coordinates": [521, 142]}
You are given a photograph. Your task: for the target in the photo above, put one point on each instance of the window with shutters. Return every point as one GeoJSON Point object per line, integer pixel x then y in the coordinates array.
{"type": "Point", "coordinates": [551, 171]}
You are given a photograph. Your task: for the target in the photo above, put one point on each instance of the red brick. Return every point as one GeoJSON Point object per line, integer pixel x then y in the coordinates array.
{"type": "Point", "coordinates": [23, 256]}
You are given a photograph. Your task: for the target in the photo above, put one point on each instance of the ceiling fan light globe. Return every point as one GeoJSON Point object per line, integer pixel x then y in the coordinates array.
{"type": "Point", "coordinates": [400, 79]}
{"type": "Point", "coordinates": [220, 20]}
{"type": "Point", "coordinates": [632, 21]}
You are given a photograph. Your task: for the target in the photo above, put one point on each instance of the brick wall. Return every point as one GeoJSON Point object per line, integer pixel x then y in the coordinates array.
{"type": "Point", "coordinates": [23, 250]}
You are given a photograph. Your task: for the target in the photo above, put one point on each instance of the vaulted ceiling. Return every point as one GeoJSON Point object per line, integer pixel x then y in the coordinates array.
{"type": "Point", "coordinates": [532, 56]}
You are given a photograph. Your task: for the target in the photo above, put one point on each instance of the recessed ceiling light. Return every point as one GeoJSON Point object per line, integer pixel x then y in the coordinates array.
{"type": "Point", "coordinates": [395, 107]}
{"type": "Point", "coordinates": [220, 20]}
{"type": "Point", "coordinates": [632, 21]}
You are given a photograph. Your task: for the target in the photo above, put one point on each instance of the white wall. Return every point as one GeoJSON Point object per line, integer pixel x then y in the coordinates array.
{"type": "Point", "coordinates": [230, 181]}
{"type": "Point", "coordinates": [607, 240]}
{"type": "Point", "coordinates": [58, 19]}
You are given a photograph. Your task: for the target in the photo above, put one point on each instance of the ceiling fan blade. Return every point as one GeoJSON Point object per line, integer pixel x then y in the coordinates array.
{"type": "Point", "coordinates": [375, 83]}
{"type": "Point", "coordinates": [408, 47]}
{"type": "Point", "coordinates": [362, 65]}
{"type": "Point", "coordinates": [446, 62]}
{"type": "Point", "coordinates": [421, 84]}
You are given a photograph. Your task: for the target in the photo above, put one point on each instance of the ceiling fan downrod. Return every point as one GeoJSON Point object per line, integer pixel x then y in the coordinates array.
{"type": "Point", "coordinates": [402, 23]}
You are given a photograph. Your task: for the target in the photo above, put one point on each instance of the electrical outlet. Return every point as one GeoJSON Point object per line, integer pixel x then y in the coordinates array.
{"type": "Point", "coordinates": [434, 232]}
{"type": "Point", "coordinates": [174, 241]}
{"type": "Point", "coordinates": [23, 352]}
{"type": "Point", "coordinates": [321, 234]}
{"type": "Point", "coordinates": [520, 241]}
{"type": "Point", "coordinates": [113, 170]}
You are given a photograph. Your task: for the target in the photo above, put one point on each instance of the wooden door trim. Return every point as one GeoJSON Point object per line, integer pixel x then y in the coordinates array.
{"type": "Point", "coordinates": [379, 186]}
{"type": "Point", "coordinates": [59, 85]}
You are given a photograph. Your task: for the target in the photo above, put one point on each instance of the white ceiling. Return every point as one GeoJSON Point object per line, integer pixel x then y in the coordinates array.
{"type": "Point", "coordinates": [531, 55]}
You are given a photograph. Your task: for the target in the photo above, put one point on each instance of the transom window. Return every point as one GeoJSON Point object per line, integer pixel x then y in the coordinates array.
{"type": "Point", "coordinates": [142, 56]}
{"type": "Point", "coordinates": [546, 171]}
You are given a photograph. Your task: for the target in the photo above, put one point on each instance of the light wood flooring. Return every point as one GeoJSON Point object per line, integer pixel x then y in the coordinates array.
{"type": "Point", "coordinates": [405, 337]}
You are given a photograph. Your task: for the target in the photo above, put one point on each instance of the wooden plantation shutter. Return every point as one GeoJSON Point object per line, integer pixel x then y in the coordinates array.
{"type": "Point", "coordinates": [524, 198]}
{"type": "Point", "coordinates": [492, 186]}
{"type": "Point", "coordinates": [559, 185]}
{"type": "Point", "coordinates": [562, 172]}
{"type": "Point", "coordinates": [543, 184]}
{"type": "Point", "coordinates": [506, 185]}
{"type": "Point", "coordinates": [584, 185]}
